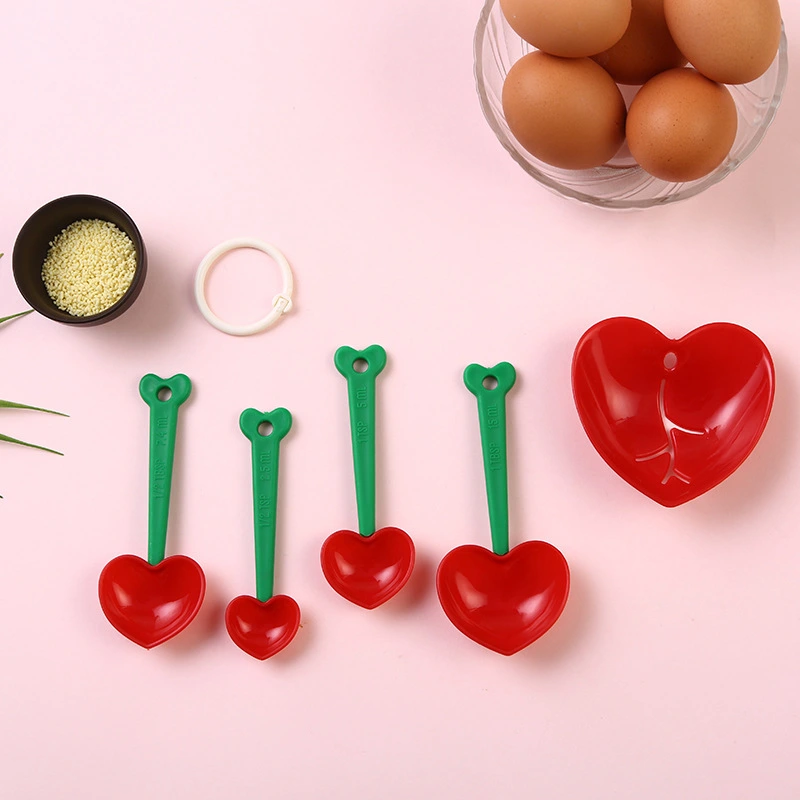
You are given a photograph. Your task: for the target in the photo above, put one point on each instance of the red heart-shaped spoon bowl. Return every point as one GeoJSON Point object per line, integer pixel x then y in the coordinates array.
{"type": "Point", "coordinates": [262, 629]}
{"type": "Point", "coordinates": [503, 602]}
{"type": "Point", "coordinates": [368, 570]}
{"type": "Point", "coordinates": [672, 417]}
{"type": "Point", "coordinates": [151, 603]}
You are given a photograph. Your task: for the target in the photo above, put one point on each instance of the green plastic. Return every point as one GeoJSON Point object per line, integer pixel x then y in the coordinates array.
{"type": "Point", "coordinates": [491, 386]}
{"type": "Point", "coordinates": [361, 396]}
{"type": "Point", "coordinates": [164, 396]}
{"type": "Point", "coordinates": [265, 449]}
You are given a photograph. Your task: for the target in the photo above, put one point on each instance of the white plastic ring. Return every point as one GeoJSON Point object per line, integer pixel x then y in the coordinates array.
{"type": "Point", "coordinates": [281, 303]}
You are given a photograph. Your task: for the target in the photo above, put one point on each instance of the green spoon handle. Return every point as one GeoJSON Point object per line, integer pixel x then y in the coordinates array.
{"type": "Point", "coordinates": [164, 396]}
{"type": "Point", "coordinates": [491, 386]}
{"type": "Point", "coordinates": [265, 449]}
{"type": "Point", "coordinates": [361, 368]}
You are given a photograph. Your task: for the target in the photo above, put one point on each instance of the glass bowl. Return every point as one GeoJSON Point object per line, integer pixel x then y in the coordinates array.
{"type": "Point", "coordinates": [620, 183]}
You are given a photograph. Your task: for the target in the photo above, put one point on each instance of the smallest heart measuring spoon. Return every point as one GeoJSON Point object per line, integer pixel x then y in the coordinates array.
{"type": "Point", "coordinates": [371, 566]}
{"type": "Point", "coordinates": [502, 599]}
{"type": "Point", "coordinates": [151, 601]}
{"type": "Point", "coordinates": [263, 625]}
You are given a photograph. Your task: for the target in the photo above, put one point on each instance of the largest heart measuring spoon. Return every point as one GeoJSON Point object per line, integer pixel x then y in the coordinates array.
{"type": "Point", "coordinates": [371, 566]}
{"type": "Point", "coordinates": [151, 601]}
{"type": "Point", "coordinates": [502, 599]}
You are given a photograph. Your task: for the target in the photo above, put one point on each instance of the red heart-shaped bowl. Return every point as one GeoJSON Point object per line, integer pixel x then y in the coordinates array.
{"type": "Point", "coordinates": [503, 602]}
{"type": "Point", "coordinates": [150, 603]}
{"type": "Point", "coordinates": [368, 570]}
{"type": "Point", "coordinates": [672, 417]}
{"type": "Point", "coordinates": [262, 629]}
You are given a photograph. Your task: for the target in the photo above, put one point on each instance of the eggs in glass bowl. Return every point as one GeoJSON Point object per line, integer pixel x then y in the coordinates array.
{"type": "Point", "coordinates": [636, 123]}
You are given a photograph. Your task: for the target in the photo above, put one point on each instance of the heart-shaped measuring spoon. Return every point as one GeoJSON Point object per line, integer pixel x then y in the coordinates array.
{"type": "Point", "coordinates": [263, 625]}
{"type": "Point", "coordinates": [371, 566]}
{"type": "Point", "coordinates": [151, 601]}
{"type": "Point", "coordinates": [502, 599]}
{"type": "Point", "coordinates": [672, 417]}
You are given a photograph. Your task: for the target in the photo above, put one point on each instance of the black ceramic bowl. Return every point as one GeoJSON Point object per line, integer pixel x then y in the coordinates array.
{"type": "Point", "coordinates": [33, 243]}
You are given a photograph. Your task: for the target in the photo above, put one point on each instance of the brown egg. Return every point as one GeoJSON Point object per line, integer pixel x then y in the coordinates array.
{"type": "Point", "coordinates": [730, 41]}
{"type": "Point", "coordinates": [645, 49]}
{"type": "Point", "coordinates": [570, 28]}
{"type": "Point", "coordinates": [681, 125]}
{"type": "Point", "coordinates": [568, 112]}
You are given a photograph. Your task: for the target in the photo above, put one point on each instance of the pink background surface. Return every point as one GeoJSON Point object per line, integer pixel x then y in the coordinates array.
{"type": "Point", "coordinates": [350, 135]}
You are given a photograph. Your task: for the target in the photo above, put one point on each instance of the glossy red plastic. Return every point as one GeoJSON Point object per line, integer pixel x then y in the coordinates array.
{"type": "Point", "coordinates": [262, 629]}
{"type": "Point", "coordinates": [672, 417]}
{"type": "Point", "coordinates": [503, 602]}
{"type": "Point", "coordinates": [148, 603]}
{"type": "Point", "coordinates": [368, 570]}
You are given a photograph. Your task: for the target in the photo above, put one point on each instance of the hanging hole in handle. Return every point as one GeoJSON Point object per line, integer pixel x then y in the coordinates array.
{"type": "Point", "coordinates": [164, 394]}
{"type": "Point", "coordinates": [360, 365]}
{"type": "Point", "coordinates": [670, 361]}
{"type": "Point", "coordinates": [490, 383]}
{"type": "Point", "coordinates": [265, 428]}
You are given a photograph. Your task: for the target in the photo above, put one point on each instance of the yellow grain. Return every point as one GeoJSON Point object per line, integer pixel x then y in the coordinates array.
{"type": "Point", "coordinates": [89, 267]}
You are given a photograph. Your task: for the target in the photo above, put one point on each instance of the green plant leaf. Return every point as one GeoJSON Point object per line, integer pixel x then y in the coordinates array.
{"type": "Point", "coordinates": [9, 404]}
{"type": "Point", "coordinates": [11, 440]}
{"type": "Point", "coordinates": [14, 316]}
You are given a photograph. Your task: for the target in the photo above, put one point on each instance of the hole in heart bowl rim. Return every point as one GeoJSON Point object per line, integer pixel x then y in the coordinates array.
{"type": "Point", "coordinates": [619, 184]}
{"type": "Point", "coordinates": [33, 243]}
